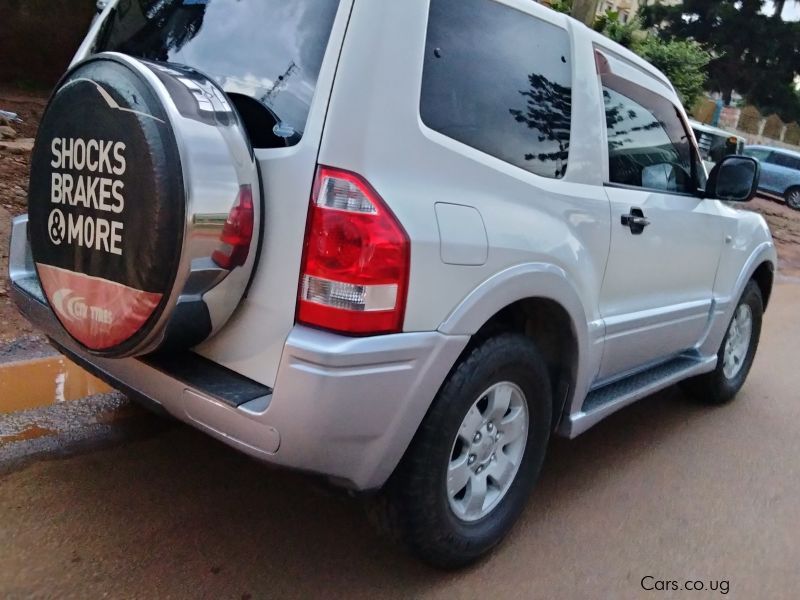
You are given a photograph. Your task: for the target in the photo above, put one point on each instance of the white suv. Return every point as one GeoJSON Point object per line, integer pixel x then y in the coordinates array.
{"type": "Point", "coordinates": [509, 234]}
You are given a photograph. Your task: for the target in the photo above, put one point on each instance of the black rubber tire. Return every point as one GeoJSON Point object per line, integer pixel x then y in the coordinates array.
{"type": "Point", "coordinates": [787, 195]}
{"type": "Point", "coordinates": [414, 507]}
{"type": "Point", "coordinates": [714, 388]}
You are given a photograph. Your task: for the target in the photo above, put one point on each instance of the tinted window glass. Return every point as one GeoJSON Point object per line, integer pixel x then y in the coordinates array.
{"type": "Point", "coordinates": [785, 160]}
{"type": "Point", "coordinates": [648, 145]}
{"type": "Point", "coordinates": [758, 153]}
{"type": "Point", "coordinates": [267, 50]}
{"type": "Point", "coordinates": [500, 81]}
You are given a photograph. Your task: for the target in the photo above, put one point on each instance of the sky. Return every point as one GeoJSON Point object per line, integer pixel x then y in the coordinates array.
{"type": "Point", "coordinates": [790, 13]}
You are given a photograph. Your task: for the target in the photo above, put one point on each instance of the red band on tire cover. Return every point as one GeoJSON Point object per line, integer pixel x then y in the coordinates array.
{"type": "Point", "coordinates": [97, 312]}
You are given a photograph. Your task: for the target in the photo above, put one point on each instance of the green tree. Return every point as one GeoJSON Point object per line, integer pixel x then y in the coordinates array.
{"type": "Point", "coordinates": [625, 34]}
{"type": "Point", "coordinates": [683, 61]}
{"type": "Point", "coordinates": [562, 6]}
{"type": "Point", "coordinates": [754, 54]}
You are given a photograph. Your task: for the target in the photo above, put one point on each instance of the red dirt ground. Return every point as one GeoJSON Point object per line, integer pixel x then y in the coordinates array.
{"type": "Point", "coordinates": [14, 168]}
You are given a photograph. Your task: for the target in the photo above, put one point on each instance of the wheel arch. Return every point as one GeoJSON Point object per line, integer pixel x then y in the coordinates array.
{"type": "Point", "coordinates": [540, 301]}
{"type": "Point", "coordinates": [788, 190]}
{"type": "Point", "coordinates": [764, 275]}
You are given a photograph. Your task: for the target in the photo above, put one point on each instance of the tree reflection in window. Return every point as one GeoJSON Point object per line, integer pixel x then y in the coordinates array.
{"type": "Point", "coordinates": [153, 29]}
{"type": "Point", "coordinates": [270, 51]}
{"type": "Point", "coordinates": [499, 80]}
{"type": "Point", "coordinates": [548, 111]}
{"type": "Point", "coordinates": [644, 130]}
{"type": "Point", "coordinates": [618, 114]}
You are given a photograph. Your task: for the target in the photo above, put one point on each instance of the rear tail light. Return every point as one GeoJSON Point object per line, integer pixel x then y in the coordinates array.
{"type": "Point", "coordinates": [355, 264]}
{"type": "Point", "coordinates": [237, 232]}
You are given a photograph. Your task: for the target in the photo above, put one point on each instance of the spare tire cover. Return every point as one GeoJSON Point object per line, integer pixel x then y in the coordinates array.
{"type": "Point", "coordinates": [106, 206]}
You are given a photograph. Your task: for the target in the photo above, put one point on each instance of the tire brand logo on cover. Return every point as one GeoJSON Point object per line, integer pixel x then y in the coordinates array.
{"type": "Point", "coordinates": [73, 308]}
{"type": "Point", "coordinates": [97, 312]}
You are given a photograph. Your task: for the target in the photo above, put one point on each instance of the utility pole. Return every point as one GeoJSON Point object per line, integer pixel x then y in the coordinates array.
{"type": "Point", "coordinates": [584, 10]}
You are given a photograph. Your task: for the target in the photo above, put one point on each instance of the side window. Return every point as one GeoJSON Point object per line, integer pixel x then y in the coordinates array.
{"type": "Point", "coordinates": [499, 80]}
{"type": "Point", "coordinates": [648, 145]}
{"type": "Point", "coordinates": [761, 154]}
{"type": "Point", "coordinates": [785, 160]}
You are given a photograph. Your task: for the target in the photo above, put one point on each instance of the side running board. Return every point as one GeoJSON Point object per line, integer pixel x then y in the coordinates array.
{"type": "Point", "coordinates": [608, 399]}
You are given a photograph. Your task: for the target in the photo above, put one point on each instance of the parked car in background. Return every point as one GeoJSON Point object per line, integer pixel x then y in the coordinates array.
{"type": "Point", "coordinates": [780, 173]}
{"type": "Point", "coordinates": [715, 143]}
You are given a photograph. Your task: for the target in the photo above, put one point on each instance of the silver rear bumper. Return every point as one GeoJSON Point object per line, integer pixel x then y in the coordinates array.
{"type": "Point", "coordinates": [343, 407]}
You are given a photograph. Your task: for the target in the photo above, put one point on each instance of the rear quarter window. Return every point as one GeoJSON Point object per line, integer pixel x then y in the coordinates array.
{"type": "Point", "coordinates": [499, 80]}
{"type": "Point", "coordinates": [267, 51]}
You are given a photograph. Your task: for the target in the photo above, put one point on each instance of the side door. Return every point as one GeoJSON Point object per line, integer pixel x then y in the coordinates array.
{"type": "Point", "coordinates": [665, 239]}
{"type": "Point", "coordinates": [783, 172]}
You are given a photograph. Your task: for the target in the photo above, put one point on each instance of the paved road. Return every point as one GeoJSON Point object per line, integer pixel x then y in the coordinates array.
{"type": "Point", "coordinates": [664, 489]}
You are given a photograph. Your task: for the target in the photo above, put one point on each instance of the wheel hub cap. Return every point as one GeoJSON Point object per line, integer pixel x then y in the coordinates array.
{"type": "Point", "coordinates": [487, 451]}
{"type": "Point", "coordinates": [484, 448]}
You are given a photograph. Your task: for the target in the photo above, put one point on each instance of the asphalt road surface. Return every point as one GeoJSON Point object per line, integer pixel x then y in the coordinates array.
{"type": "Point", "coordinates": [663, 491]}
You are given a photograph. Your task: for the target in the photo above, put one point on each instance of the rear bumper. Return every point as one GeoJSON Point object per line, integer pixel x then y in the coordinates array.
{"type": "Point", "coordinates": [343, 407]}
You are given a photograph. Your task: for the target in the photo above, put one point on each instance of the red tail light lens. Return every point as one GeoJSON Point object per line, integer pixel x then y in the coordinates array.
{"type": "Point", "coordinates": [237, 232]}
{"type": "Point", "coordinates": [356, 260]}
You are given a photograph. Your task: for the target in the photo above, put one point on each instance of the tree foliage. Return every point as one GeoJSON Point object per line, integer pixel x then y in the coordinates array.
{"type": "Point", "coordinates": [683, 61]}
{"type": "Point", "coordinates": [562, 6]}
{"type": "Point", "coordinates": [752, 53]}
{"type": "Point", "coordinates": [625, 34]}
{"type": "Point", "coordinates": [548, 111]}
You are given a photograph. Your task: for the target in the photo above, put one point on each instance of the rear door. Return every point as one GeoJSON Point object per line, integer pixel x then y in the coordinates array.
{"type": "Point", "coordinates": [665, 239]}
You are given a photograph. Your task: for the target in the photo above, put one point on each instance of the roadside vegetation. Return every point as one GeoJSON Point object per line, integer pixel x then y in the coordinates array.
{"type": "Point", "coordinates": [736, 48]}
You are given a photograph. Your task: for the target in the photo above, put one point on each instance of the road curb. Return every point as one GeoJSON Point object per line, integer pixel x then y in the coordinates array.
{"type": "Point", "coordinates": [42, 382]}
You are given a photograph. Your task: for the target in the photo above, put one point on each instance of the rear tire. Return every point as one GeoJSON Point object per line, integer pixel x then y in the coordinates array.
{"type": "Point", "coordinates": [734, 358]}
{"type": "Point", "coordinates": [792, 197]}
{"type": "Point", "coordinates": [448, 527]}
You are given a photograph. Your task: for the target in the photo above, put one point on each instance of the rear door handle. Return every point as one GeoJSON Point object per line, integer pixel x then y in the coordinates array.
{"type": "Point", "coordinates": [635, 220]}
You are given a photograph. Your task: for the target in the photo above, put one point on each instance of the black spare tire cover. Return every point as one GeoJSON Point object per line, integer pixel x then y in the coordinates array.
{"type": "Point", "coordinates": [106, 206]}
